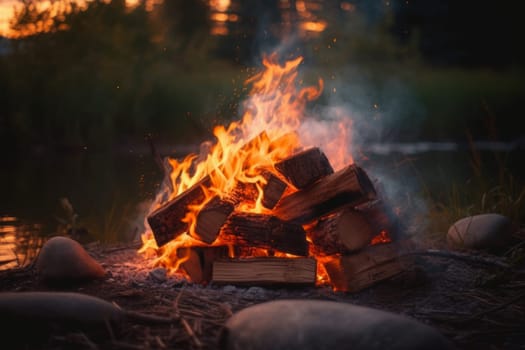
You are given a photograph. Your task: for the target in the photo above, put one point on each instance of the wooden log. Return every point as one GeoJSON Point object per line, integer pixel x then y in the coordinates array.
{"type": "Point", "coordinates": [370, 266]}
{"type": "Point", "coordinates": [345, 231]}
{"type": "Point", "coordinates": [166, 222]}
{"type": "Point", "coordinates": [382, 218]}
{"type": "Point", "coordinates": [211, 218]}
{"type": "Point", "coordinates": [265, 271]}
{"type": "Point", "coordinates": [272, 190]}
{"type": "Point", "coordinates": [304, 168]}
{"type": "Point", "coordinates": [268, 232]}
{"type": "Point", "coordinates": [351, 229]}
{"type": "Point", "coordinates": [350, 186]}
{"type": "Point", "coordinates": [198, 261]}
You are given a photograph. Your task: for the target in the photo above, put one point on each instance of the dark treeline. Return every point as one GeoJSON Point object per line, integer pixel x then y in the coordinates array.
{"type": "Point", "coordinates": [108, 74]}
{"type": "Point", "coordinates": [462, 32]}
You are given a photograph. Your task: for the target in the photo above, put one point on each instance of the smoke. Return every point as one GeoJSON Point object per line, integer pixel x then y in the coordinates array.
{"type": "Point", "coordinates": [375, 113]}
{"type": "Point", "coordinates": [354, 118]}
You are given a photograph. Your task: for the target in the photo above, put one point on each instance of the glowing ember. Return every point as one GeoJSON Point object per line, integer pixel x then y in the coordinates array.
{"type": "Point", "coordinates": [382, 237]}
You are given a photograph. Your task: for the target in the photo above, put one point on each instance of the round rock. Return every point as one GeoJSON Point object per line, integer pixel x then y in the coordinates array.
{"type": "Point", "coordinates": [63, 260]}
{"type": "Point", "coordinates": [315, 324]}
{"type": "Point", "coordinates": [484, 231]}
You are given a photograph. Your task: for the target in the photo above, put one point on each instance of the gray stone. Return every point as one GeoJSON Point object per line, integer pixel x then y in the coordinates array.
{"type": "Point", "coordinates": [229, 289]}
{"type": "Point", "coordinates": [254, 293]}
{"type": "Point", "coordinates": [484, 231]}
{"type": "Point", "coordinates": [64, 260]}
{"type": "Point", "coordinates": [315, 324]}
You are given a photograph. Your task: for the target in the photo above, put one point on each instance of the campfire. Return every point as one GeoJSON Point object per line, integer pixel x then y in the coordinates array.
{"type": "Point", "coordinates": [272, 202]}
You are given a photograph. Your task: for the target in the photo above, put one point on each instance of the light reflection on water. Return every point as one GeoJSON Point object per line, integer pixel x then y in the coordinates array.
{"type": "Point", "coordinates": [19, 243]}
{"type": "Point", "coordinates": [109, 196]}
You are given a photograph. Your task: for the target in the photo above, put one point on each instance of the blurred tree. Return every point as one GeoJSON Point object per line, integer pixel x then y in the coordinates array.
{"type": "Point", "coordinates": [88, 74]}
{"type": "Point", "coordinates": [462, 32]}
{"type": "Point", "coordinates": [186, 19]}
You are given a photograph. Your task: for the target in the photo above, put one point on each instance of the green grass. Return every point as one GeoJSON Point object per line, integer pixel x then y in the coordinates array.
{"type": "Point", "coordinates": [490, 189]}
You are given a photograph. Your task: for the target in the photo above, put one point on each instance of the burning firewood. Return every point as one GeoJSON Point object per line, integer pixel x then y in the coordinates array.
{"type": "Point", "coordinates": [345, 231]}
{"type": "Point", "coordinates": [268, 232]}
{"type": "Point", "coordinates": [198, 261]}
{"type": "Point", "coordinates": [268, 270]}
{"type": "Point", "coordinates": [350, 186]}
{"type": "Point", "coordinates": [304, 168]}
{"type": "Point", "coordinates": [376, 263]}
{"type": "Point", "coordinates": [211, 218]}
{"type": "Point", "coordinates": [351, 229]}
{"type": "Point", "coordinates": [272, 190]}
{"type": "Point", "coordinates": [166, 222]}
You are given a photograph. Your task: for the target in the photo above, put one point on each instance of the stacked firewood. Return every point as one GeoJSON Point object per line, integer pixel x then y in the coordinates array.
{"type": "Point", "coordinates": [313, 214]}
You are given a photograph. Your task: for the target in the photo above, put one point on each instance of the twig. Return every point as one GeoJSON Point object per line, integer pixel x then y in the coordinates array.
{"type": "Point", "coordinates": [493, 309]}
{"type": "Point", "coordinates": [88, 342]}
{"type": "Point", "coordinates": [513, 248]}
{"type": "Point", "coordinates": [132, 245]}
{"type": "Point", "coordinates": [160, 343]}
{"type": "Point", "coordinates": [462, 256]}
{"type": "Point", "coordinates": [191, 333]}
{"type": "Point", "coordinates": [123, 345]}
{"type": "Point", "coordinates": [145, 318]}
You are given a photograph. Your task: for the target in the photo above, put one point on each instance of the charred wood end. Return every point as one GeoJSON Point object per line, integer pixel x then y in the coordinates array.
{"type": "Point", "coordinates": [166, 222]}
{"type": "Point", "coordinates": [304, 168]}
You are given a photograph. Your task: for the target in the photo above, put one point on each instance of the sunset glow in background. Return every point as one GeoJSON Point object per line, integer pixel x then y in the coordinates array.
{"type": "Point", "coordinates": [6, 11]}
{"type": "Point", "coordinates": [222, 12]}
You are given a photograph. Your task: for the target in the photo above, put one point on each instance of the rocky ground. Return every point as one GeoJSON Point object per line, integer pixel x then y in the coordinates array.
{"type": "Point", "coordinates": [475, 300]}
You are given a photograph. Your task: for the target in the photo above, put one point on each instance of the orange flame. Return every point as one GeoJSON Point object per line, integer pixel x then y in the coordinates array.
{"type": "Point", "coordinates": [267, 133]}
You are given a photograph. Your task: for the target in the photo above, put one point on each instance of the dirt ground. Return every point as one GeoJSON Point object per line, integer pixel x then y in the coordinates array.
{"type": "Point", "coordinates": [476, 300]}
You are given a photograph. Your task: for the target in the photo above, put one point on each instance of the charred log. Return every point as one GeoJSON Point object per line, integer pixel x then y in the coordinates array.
{"type": "Point", "coordinates": [372, 265]}
{"type": "Point", "coordinates": [211, 218]}
{"type": "Point", "coordinates": [267, 232]}
{"type": "Point", "coordinates": [350, 186]}
{"type": "Point", "coordinates": [345, 231]}
{"type": "Point", "coordinates": [166, 222]}
{"type": "Point", "coordinates": [304, 168]}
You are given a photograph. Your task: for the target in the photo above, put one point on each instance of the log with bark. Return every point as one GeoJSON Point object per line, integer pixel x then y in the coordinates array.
{"type": "Point", "coordinates": [166, 222]}
{"type": "Point", "coordinates": [304, 168]}
{"type": "Point", "coordinates": [211, 218]}
{"type": "Point", "coordinates": [350, 186]}
{"type": "Point", "coordinates": [376, 263]}
{"type": "Point", "coordinates": [382, 218]}
{"type": "Point", "coordinates": [272, 190]}
{"type": "Point", "coordinates": [353, 228]}
{"type": "Point", "coordinates": [345, 231]}
{"type": "Point", "coordinates": [265, 271]}
{"type": "Point", "coordinates": [267, 232]}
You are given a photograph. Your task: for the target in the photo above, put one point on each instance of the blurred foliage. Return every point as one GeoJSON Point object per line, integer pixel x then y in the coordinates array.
{"type": "Point", "coordinates": [494, 186]}
{"type": "Point", "coordinates": [87, 76]}
{"type": "Point", "coordinates": [104, 73]}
